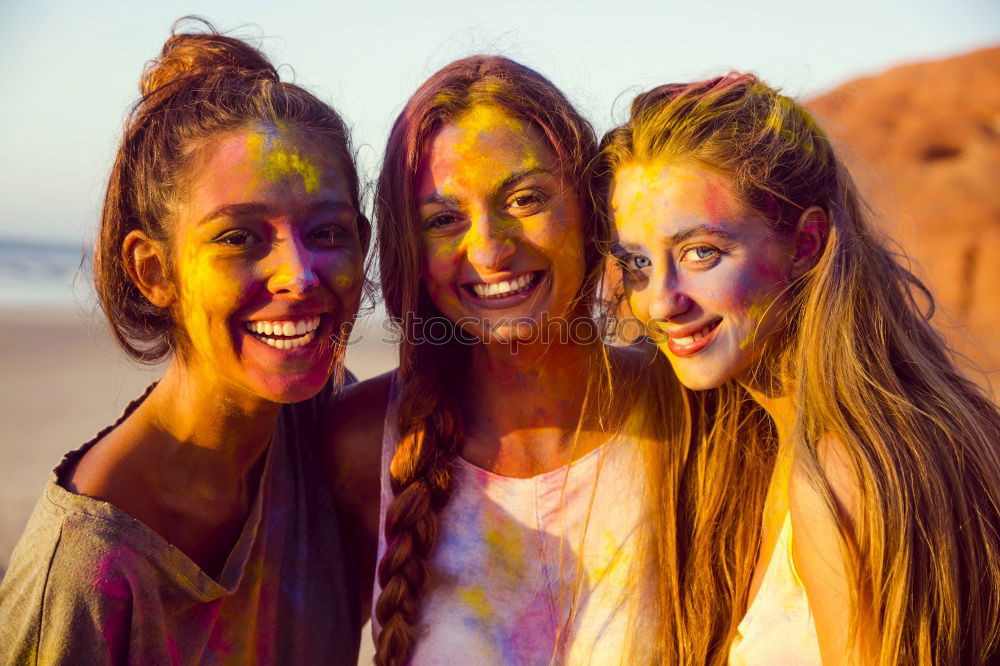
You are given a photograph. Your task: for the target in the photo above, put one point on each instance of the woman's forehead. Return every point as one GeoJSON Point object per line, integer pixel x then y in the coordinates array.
{"type": "Point", "coordinates": [479, 150]}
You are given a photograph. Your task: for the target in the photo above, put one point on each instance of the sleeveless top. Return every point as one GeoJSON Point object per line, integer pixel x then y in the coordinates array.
{"type": "Point", "coordinates": [519, 573]}
{"type": "Point", "coordinates": [89, 584]}
{"type": "Point", "coordinates": [778, 628]}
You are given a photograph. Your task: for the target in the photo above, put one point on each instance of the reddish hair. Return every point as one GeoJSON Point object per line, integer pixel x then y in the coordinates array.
{"type": "Point", "coordinates": [430, 415]}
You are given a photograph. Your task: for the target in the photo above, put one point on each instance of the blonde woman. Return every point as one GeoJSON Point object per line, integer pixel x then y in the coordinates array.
{"type": "Point", "coordinates": [840, 501]}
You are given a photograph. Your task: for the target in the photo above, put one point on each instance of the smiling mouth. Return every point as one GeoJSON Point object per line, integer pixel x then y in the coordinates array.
{"type": "Point", "coordinates": [505, 288]}
{"type": "Point", "coordinates": [284, 334]}
{"type": "Point", "coordinates": [689, 340]}
{"type": "Point", "coordinates": [694, 343]}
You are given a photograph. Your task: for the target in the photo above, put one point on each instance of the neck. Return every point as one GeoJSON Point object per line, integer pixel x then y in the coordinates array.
{"type": "Point", "coordinates": [216, 427]}
{"type": "Point", "coordinates": [782, 410]}
{"type": "Point", "coordinates": [524, 407]}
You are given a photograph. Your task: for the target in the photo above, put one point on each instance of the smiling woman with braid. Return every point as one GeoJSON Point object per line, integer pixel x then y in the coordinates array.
{"type": "Point", "coordinates": [511, 483]}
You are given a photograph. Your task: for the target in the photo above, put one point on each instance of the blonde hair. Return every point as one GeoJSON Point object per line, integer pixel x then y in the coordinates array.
{"type": "Point", "coordinates": [869, 370]}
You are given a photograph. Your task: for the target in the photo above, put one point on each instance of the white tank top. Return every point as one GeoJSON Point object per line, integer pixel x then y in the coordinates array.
{"type": "Point", "coordinates": [514, 581]}
{"type": "Point", "coordinates": [778, 628]}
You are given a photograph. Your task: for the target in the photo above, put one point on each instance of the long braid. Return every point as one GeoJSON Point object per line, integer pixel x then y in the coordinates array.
{"type": "Point", "coordinates": [430, 414]}
{"type": "Point", "coordinates": [429, 423]}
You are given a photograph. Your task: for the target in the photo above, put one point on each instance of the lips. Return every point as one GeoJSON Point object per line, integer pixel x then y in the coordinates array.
{"type": "Point", "coordinates": [694, 342]}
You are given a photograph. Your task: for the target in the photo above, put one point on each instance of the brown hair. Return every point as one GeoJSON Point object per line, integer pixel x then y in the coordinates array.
{"type": "Point", "coordinates": [202, 84]}
{"type": "Point", "coordinates": [865, 366]}
{"type": "Point", "coordinates": [430, 416]}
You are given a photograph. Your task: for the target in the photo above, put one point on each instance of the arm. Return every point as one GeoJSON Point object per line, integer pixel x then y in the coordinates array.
{"type": "Point", "coordinates": [52, 611]}
{"type": "Point", "coordinates": [827, 576]}
{"type": "Point", "coordinates": [351, 442]}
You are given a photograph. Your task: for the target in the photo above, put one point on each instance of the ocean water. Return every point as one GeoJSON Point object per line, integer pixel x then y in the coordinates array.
{"type": "Point", "coordinates": [41, 273]}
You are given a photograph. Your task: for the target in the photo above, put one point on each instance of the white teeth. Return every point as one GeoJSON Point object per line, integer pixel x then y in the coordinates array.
{"type": "Point", "coordinates": [295, 333]}
{"type": "Point", "coordinates": [503, 288]}
{"type": "Point", "coordinates": [697, 335]}
{"type": "Point", "coordinates": [291, 344]}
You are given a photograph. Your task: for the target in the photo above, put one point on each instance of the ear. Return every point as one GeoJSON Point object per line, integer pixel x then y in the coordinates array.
{"type": "Point", "coordinates": [810, 238]}
{"type": "Point", "coordinates": [146, 262]}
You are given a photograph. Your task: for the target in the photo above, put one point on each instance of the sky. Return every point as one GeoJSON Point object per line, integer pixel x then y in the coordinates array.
{"type": "Point", "coordinates": [69, 70]}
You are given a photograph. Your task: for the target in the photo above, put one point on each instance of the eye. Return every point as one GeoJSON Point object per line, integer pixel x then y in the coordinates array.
{"type": "Point", "coordinates": [641, 262]}
{"type": "Point", "coordinates": [526, 202]}
{"type": "Point", "coordinates": [633, 265]}
{"type": "Point", "coordinates": [701, 254]}
{"type": "Point", "coordinates": [330, 235]}
{"type": "Point", "coordinates": [441, 220]}
{"type": "Point", "coordinates": [238, 238]}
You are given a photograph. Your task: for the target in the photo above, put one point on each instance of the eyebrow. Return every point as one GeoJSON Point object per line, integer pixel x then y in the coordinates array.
{"type": "Point", "coordinates": [624, 247]}
{"type": "Point", "coordinates": [515, 177]}
{"type": "Point", "coordinates": [679, 237]}
{"type": "Point", "coordinates": [701, 229]}
{"type": "Point", "coordinates": [509, 181]}
{"type": "Point", "coordinates": [259, 209]}
{"type": "Point", "coordinates": [438, 198]}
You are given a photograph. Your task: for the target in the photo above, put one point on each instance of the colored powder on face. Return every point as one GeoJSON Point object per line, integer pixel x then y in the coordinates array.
{"type": "Point", "coordinates": [277, 163]}
{"type": "Point", "coordinates": [715, 200]}
{"type": "Point", "coordinates": [756, 313]}
{"type": "Point", "coordinates": [480, 127]}
{"type": "Point", "coordinates": [343, 281]}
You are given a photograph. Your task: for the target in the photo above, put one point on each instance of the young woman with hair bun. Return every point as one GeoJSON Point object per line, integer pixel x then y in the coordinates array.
{"type": "Point", "coordinates": [510, 529]}
{"type": "Point", "coordinates": [197, 528]}
{"type": "Point", "coordinates": [842, 503]}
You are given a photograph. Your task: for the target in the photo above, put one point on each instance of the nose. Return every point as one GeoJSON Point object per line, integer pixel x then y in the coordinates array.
{"type": "Point", "coordinates": [668, 298]}
{"type": "Point", "coordinates": [293, 273]}
{"type": "Point", "coordinates": [490, 242]}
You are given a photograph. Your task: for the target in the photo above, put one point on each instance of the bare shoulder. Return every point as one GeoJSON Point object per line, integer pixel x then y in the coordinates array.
{"type": "Point", "coordinates": [352, 423]}
{"type": "Point", "coordinates": [351, 433]}
{"type": "Point", "coordinates": [838, 472]}
{"type": "Point", "coordinates": [117, 468]}
{"type": "Point", "coordinates": [824, 551]}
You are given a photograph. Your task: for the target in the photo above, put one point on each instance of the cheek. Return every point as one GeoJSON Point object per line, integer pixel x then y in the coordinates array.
{"type": "Point", "coordinates": [442, 258]}
{"type": "Point", "coordinates": [343, 272]}
{"type": "Point", "coordinates": [211, 292]}
{"type": "Point", "coordinates": [638, 301]}
{"type": "Point", "coordinates": [561, 232]}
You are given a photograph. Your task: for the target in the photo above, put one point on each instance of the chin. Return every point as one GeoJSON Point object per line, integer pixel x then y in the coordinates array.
{"type": "Point", "coordinates": [694, 377]}
{"type": "Point", "coordinates": [698, 383]}
{"type": "Point", "coordinates": [287, 389]}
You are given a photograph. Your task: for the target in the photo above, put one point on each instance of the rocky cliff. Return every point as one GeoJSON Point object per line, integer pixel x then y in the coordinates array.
{"type": "Point", "coordinates": [923, 142]}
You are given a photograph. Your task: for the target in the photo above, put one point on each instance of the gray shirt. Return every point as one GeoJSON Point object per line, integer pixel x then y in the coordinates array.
{"type": "Point", "coordinates": [88, 584]}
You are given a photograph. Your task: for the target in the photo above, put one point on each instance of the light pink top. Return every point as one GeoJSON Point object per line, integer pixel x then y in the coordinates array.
{"type": "Point", "coordinates": [515, 581]}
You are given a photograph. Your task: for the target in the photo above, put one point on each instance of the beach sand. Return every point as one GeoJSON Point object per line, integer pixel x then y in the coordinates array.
{"type": "Point", "coordinates": [63, 380]}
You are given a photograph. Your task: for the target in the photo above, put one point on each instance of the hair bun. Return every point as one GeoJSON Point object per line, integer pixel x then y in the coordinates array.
{"type": "Point", "coordinates": [203, 54]}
